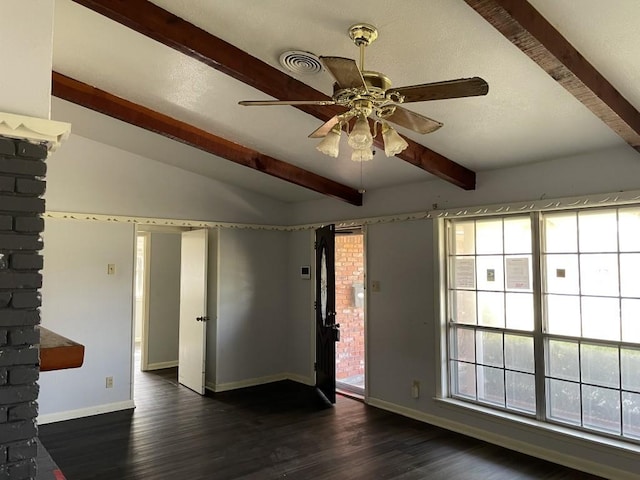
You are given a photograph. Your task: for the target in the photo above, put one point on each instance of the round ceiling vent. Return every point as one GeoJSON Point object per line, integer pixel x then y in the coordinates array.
{"type": "Point", "coordinates": [299, 62]}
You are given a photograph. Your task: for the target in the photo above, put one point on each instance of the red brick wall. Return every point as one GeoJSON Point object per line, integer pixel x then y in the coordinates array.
{"type": "Point", "coordinates": [349, 272]}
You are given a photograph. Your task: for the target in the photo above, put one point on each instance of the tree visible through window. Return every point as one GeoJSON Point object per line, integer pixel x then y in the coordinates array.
{"type": "Point", "coordinates": [549, 300]}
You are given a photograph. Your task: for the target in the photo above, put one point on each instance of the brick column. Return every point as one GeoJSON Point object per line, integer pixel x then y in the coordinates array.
{"type": "Point", "coordinates": [22, 169]}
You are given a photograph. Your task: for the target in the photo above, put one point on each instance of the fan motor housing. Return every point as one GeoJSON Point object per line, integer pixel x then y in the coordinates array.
{"type": "Point", "coordinates": [377, 84]}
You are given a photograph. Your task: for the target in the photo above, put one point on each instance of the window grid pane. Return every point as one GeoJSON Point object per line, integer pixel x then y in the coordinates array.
{"type": "Point", "coordinates": [590, 299]}
{"type": "Point", "coordinates": [490, 301]}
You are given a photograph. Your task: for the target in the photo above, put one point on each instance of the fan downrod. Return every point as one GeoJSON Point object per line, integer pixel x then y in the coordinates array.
{"type": "Point", "coordinates": [363, 34]}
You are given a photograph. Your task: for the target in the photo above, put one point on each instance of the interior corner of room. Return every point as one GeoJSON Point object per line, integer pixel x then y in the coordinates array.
{"type": "Point", "coordinates": [184, 234]}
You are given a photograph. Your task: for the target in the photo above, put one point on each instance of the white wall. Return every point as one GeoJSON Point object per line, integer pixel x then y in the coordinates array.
{"type": "Point", "coordinates": [164, 299]}
{"type": "Point", "coordinates": [252, 307]}
{"type": "Point", "coordinates": [80, 301]}
{"type": "Point", "coordinates": [26, 47]}
{"type": "Point", "coordinates": [88, 176]}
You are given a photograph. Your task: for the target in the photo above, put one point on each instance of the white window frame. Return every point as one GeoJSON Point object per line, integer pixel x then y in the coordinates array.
{"type": "Point", "coordinates": [441, 297]}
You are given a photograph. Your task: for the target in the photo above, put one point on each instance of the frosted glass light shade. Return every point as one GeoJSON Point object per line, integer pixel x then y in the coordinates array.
{"type": "Point", "coordinates": [360, 137]}
{"type": "Point", "coordinates": [330, 144]}
{"type": "Point", "coordinates": [361, 154]}
{"type": "Point", "coordinates": [393, 142]}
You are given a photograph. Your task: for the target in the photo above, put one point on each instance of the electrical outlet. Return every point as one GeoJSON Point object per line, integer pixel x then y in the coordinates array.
{"type": "Point", "coordinates": [415, 389]}
{"type": "Point", "coordinates": [108, 382]}
{"type": "Point", "coordinates": [111, 269]}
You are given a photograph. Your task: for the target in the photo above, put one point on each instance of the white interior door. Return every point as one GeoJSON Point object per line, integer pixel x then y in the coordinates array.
{"type": "Point", "coordinates": [193, 310]}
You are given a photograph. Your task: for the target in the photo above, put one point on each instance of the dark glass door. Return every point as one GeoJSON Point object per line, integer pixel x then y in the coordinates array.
{"type": "Point", "coordinates": [327, 331]}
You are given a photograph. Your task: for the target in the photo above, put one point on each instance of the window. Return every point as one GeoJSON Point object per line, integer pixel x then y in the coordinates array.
{"type": "Point", "coordinates": [544, 316]}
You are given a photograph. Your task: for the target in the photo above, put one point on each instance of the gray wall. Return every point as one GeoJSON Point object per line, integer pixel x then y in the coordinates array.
{"type": "Point", "coordinates": [212, 308]}
{"type": "Point", "coordinates": [82, 302]}
{"type": "Point", "coordinates": [252, 306]}
{"type": "Point", "coordinates": [595, 172]}
{"type": "Point", "coordinates": [89, 176]}
{"type": "Point", "coordinates": [400, 329]}
{"type": "Point", "coordinates": [300, 331]}
{"type": "Point", "coordinates": [264, 326]}
{"type": "Point", "coordinates": [164, 299]}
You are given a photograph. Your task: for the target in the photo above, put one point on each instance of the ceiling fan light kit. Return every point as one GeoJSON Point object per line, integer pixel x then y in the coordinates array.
{"type": "Point", "coordinates": [330, 144]}
{"type": "Point", "coordinates": [393, 142]}
{"type": "Point", "coordinates": [367, 94]}
{"type": "Point", "coordinates": [361, 154]}
{"type": "Point", "coordinates": [360, 137]}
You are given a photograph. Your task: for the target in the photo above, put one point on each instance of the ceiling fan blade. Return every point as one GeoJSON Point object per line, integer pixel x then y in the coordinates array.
{"type": "Point", "coordinates": [413, 121]}
{"type": "Point", "coordinates": [264, 103]}
{"type": "Point", "coordinates": [462, 87]}
{"type": "Point", "coordinates": [345, 71]}
{"type": "Point", "coordinates": [324, 128]}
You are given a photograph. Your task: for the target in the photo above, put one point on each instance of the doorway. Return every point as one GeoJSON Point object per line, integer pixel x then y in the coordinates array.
{"type": "Point", "coordinates": [157, 297]}
{"type": "Point", "coordinates": [171, 301]}
{"type": "Point", "coordinates": [350, 310]}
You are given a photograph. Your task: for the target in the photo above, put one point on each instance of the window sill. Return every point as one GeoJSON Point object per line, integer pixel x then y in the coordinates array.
{"type": "Point", "coordinates": [528, 425]}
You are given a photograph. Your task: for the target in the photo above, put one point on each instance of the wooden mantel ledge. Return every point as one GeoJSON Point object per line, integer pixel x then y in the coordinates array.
{"type": "Point", "coordinates": [58, 352]}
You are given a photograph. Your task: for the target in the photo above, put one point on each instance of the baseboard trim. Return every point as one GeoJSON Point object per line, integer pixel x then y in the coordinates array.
{"type": "Point", "coordinates": [85, 412]}
{"type": "Point", "coordinates": [252, 382]}
{"type": "Point", "coordinates": [249, 382]}
{"type": "Point", "coordinates": [294, 377]}
{"type": "Point", "coordinates": [162, 365]}
{"type": "Point", "coordinates": [577, 463]}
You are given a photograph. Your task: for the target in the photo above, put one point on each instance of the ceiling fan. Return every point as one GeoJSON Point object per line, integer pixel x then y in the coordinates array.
{"type": "Point", "coordinates": [367, 93]}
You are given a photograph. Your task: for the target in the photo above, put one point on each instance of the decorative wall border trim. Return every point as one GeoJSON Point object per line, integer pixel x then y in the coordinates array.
{"type": "Point", "coordinates": [34, 130]}
{"type": "Point", "coordinates": [596, 200]}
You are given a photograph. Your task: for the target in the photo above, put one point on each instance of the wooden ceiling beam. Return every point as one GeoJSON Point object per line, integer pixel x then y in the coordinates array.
{"type": "Point", "coordinates": [100, 101]}
{"type": "Point", "coordinates": [168, 29]}
{"type": "Point", "coordinates": [527, 29]}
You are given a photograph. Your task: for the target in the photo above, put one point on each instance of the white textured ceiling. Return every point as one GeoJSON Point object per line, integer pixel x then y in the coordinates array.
{"type": "Point", "coordinates": [526, 116]}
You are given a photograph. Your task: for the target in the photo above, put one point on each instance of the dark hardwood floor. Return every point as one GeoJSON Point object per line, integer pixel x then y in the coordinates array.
{"type": "Point", "coordinates": [271, 432]}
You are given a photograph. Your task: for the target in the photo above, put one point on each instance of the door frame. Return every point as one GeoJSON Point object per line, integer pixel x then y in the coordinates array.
{"type": "Point", "coordinates": [144, 327]}
{"type": "Point", "coordinates": [144, 334]}
{"type": "Point", "coordinates": [312, 312]}
{"type": "Point", "coordinates": [365, 307]}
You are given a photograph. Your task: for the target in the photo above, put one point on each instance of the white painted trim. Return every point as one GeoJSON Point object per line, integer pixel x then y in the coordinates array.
{"type": "Point", "coordinates": [439, 305]}
{"type": "Point", "coordinates": [146, 272]}
{"type": "Point", "coordinates": [596, 200]}
{"type": "Point", "coordinates": [34, 130]}
{"type": "Point", "coordinates": [578, 463]}
{"type": "Point", "coordinates": [252, 382]}
{"type": "Point", "coordinates": [210, 386]}
{"type": "Point", "coordinates": [365, 261]}
{"type": "Point", "coordinates": [161, 365]}
{"type": "Point", "coordinates": [85, 412]}
{"type": "Point", "coordinates": [148, 223]}
{"type": "Point", "coordinates": [304, 379]}
{"type": "Point", "coordinates": [249, 382]}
